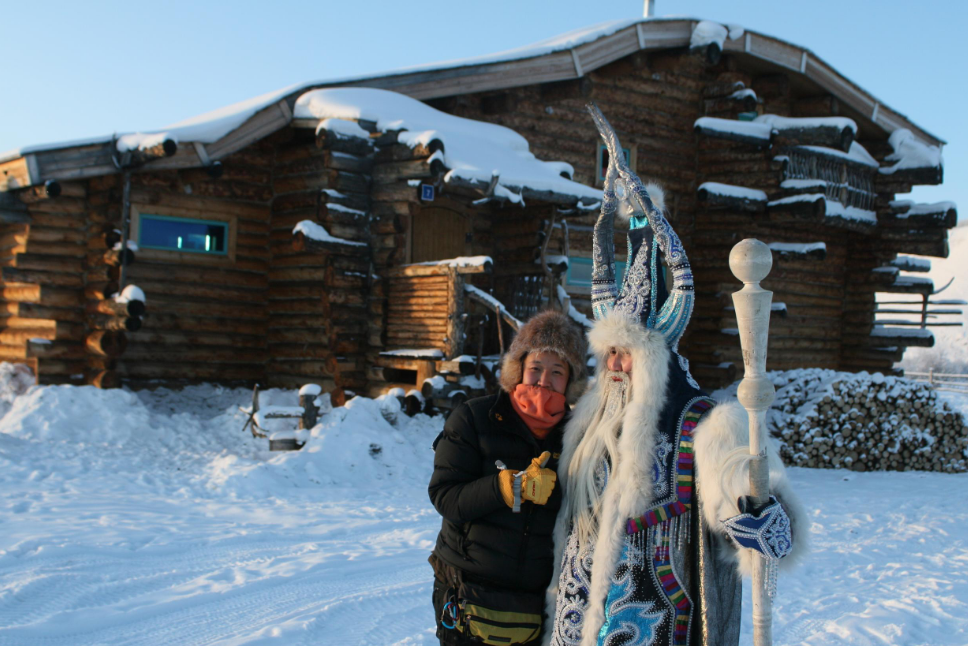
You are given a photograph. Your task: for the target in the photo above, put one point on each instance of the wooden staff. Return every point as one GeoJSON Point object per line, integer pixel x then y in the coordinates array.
{"type": "Point", "coordinates": [751, 261]}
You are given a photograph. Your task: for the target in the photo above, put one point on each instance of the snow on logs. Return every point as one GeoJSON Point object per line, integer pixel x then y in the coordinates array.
{"type": "Point", "coordinates": [815, 207]}
{"type": "Point", "coordinates": [746, 132]}
{"type": "Point", "coordinates": [910, 263]}
{"type": "Point", "coordinates": [913, 162]}
{"type": "Point", "coordinates": [729, 196]}
{"type": "Point", "coordinates": [768, 129]}
{"type": "Point", "coordinates": [830, 132]}
{"type": "Point", "coordinates": [799, 250]}
{"type": "Point", "coordinates": [313, 237]}
{"type": "Point", "coordinates": [905, 214]}
{"type": "Point", "coordinates": [826, 419]}
{"type": "Point", "coordinates": [138, 149]}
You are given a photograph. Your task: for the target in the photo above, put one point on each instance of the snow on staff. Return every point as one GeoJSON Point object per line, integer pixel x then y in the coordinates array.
{"type": "Point", "coordinates": [751, 261]}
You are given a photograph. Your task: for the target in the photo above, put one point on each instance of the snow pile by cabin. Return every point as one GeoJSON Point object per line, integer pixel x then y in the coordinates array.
{"type": "Point", "coordinates": [370, 234]}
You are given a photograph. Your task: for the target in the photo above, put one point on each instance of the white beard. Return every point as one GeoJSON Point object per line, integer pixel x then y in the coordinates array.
{"type": "Point", "coordinates": [599, 443]}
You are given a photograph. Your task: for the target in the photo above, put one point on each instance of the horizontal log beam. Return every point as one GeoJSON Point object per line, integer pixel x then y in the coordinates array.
{"type": "Point", "coordinates": [303, 243]}
{"type": "Point", "coordinates": [436, 270]}
{"type": "Point", "coordinates": [747, 203]}
{"type": "Point", "coordinates": [827, 135]}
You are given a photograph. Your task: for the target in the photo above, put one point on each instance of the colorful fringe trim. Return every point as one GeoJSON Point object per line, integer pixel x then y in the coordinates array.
{"type": "Point", "coordinates": [684, 476]}
{"type": "Point", "coordinates": [672, 589]}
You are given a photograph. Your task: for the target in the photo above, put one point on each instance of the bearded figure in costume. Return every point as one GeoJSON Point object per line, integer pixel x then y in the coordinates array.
{"type": "Point", "coordinates": [655, 531]}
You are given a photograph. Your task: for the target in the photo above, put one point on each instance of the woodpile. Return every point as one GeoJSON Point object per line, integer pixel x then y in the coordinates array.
{"type": "Point", "coordinates": [827, 419]}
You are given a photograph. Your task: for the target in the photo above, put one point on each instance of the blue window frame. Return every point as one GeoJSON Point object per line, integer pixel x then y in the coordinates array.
{"type": "Point", "coordinates": [601, 163]}
{"type": "Point", "coordinates": [580, 272]}
{"type": "Point", "coordinates": [183, 234]}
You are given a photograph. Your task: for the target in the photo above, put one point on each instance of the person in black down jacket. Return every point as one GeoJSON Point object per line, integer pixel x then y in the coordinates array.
{"type": "Point", "coordinates": [494, 483]}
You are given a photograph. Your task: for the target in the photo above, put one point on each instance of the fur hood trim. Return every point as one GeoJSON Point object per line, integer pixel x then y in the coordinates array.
{"type": "Point", "coordinates": [656, 194]}
{"type": "Point", "coordinates": [721, 450]}
{"type": "Point", "coordinates": [548, 331]}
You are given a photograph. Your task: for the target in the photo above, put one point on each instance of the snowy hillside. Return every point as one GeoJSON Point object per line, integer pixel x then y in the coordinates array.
{"type": "Point", "coordinates": [150, 518]}
{"type": "Point", "coordinates": [950, 351]}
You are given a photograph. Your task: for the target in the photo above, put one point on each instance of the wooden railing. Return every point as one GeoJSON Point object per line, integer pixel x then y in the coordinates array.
{"type": "Point", "coordinates": [923, 310]}
{"type": "Point", "coordinates": [941, 380]}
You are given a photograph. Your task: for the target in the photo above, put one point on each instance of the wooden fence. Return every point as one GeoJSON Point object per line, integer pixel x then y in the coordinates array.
{"type": "Point", "coordinates": [941, 380]}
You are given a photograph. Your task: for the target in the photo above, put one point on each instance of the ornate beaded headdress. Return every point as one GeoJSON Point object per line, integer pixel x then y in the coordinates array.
{"type": "Point", "coordinates": [651, 239]}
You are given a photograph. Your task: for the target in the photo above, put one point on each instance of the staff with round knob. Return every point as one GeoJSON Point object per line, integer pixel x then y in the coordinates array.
{"type": "Point", "coordinates": [751, 261]}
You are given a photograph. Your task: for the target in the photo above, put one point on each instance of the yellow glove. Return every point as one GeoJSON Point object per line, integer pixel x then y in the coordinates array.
{"type": "Point", "coordinates": [538, 482]}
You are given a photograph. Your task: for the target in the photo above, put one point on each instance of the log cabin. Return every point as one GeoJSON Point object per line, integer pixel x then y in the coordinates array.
{"type": "Point", "coordinates": [391, 231]}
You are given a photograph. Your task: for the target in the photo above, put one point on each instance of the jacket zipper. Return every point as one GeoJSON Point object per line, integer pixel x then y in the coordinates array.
{"type": "Point", "coordinates": [527, 527]}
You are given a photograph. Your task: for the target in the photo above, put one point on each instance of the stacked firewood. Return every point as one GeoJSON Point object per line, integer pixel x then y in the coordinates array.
{"type": "Point", "coordinates": [862, 422]}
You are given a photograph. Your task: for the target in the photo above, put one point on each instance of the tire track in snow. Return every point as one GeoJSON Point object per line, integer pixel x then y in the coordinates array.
{"type": "Point", "coordinates": [186, 594]}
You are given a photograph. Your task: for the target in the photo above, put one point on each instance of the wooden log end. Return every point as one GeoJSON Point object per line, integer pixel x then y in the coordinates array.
{"type": "Point", "coordinates": [136, 308]}
{"type": "Point", "coordinates": [337, 397]}
{"type": "Point", "coordinates": [714, 53]}
{"type": "Point", "coordinates": [846, 139]}
{"type": "Point", "coordinates": [106, 343]}
{"type": "Point", "coordinates": [106, 379]}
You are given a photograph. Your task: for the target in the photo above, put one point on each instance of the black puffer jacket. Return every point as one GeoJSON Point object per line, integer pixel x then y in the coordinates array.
{"type": "Point", "coordinates": [480, 534]}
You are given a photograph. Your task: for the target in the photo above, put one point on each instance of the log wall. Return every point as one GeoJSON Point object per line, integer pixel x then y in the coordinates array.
{"type": "Point", "coordinates": [319, 302]}
{"type": "Point", "coordinates": [206, 316]}
{"type": "Point", "coordinates": [653, 102]}
{"type": "Point", "coordinates": [42, 268]}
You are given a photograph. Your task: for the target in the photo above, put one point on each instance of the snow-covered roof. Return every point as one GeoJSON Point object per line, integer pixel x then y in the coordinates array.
{"type": "Point", "coordinates": [204, 128]}
{"type": "Point", "coordinates": [473, 150]}
{"type": "Point", "coordinates": [628, 36]}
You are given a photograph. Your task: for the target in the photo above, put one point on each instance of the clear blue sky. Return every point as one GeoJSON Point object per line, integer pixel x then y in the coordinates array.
{"type": "Point", "coordinates": [81, 69]}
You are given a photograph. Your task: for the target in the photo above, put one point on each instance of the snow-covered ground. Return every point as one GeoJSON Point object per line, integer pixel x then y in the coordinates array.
{"type": "Point", "coordinates": [150, 518]}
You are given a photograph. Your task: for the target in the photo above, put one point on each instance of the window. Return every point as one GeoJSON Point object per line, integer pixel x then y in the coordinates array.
{"type": "Point", "coordinates": [601, 161]}
{"type": "Point", "coordinates": [183, 234]}
{"type": "Point", "coordinates": [580, 272]}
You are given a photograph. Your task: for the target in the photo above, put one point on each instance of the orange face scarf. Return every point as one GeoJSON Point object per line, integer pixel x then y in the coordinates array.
{"type": "Point", "coordinates": [540, 408]}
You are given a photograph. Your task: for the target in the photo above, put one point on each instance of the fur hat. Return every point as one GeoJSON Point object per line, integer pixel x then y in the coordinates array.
{"type": "Point", "coordinates": [548, 331]}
